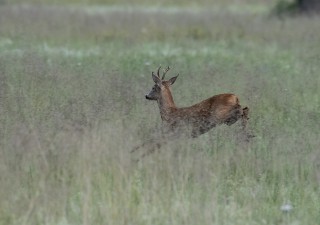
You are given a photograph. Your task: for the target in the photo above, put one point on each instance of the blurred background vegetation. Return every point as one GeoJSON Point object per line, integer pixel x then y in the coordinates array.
{"type": "Point", "coordinates": [139, 2]}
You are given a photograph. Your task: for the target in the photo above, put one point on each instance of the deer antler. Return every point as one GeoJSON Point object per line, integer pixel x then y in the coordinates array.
{"type": "Point", "coordinates": [164, 73]}
{"type": "Point", "coordinates": [159, 71]}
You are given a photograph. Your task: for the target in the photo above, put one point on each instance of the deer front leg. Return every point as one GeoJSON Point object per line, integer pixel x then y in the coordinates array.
{"type": "Point", "coordinates": [150, 150]}
{"type": "Point", "coordinates": [140, 146]}
{"type": "Point", "coordinates": [151, 146]}
{"type": "Point", "coordinates": [244, 122]}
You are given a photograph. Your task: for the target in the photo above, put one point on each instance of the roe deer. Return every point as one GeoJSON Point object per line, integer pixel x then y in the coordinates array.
{"type": "Point", "coordinates": [194, 120]}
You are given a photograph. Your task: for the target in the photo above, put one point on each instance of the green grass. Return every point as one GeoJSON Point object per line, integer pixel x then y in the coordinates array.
{"type": "Point", "coordinates": [72, 106]}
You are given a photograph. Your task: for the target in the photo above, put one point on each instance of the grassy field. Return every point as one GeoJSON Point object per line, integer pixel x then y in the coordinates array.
{"type": "Point", "coordinates": [72, 106]}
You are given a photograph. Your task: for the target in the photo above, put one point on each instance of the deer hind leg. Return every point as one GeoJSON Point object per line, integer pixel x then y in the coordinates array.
{"type": "Point", "coordinates": [234, 116]}
{"type": "Point", "coordinates": [238, 113]}
{"type": "Point", "coordinates": [242, 114]}
{"type": "Point", "coordinates": [244, 117]}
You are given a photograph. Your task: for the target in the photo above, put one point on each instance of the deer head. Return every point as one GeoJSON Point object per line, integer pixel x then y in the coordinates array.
{"type": "Point", "coordinates": [160, 84]}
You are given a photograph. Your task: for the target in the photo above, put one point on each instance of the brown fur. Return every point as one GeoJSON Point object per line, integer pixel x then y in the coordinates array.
{"type": "Point", "coordinates": [194, 120]}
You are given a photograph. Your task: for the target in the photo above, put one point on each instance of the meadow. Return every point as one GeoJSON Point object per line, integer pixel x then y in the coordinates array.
{"type": "Point", "coordinates": [72, 85]}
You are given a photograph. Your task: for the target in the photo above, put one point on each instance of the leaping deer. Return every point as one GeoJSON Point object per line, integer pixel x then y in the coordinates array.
{"type": "Point", "coordinates": [194, 120]}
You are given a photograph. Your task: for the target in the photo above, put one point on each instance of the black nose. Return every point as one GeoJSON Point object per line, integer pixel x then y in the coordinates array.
{"type": "Point", "coordinates": [147, 97]}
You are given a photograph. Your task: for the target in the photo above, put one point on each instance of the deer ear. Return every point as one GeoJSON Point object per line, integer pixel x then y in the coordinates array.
{"type": "Point", "coordinates": [173, 79]}
{"type": "Point", "coordinates": [156, 79]}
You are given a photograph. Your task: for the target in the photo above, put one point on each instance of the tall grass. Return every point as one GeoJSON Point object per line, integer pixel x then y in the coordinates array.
{"type": "Point", "coordinates": [72, 106]}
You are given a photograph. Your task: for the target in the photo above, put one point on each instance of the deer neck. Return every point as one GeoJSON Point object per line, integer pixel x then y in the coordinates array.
{"type": "Point", "coordinates": [166, 104]}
